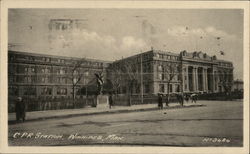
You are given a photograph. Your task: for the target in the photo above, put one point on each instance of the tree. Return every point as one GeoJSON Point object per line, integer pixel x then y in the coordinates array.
{"type": "Point", "coordinates": [171, 69]}
{"type": "Point", "coordinates": [75, 76]}
{"type": "Point", "coordinates": [125, 72]}
{"type": "Point", "coordinates": [226, 81]}
{"type": "Point", "coordinates": [116, 78]}
{"type": "Point", "coordinates": [131, 77]}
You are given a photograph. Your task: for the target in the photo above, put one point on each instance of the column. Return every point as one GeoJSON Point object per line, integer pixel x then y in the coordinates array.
{"type": "Point", "coordinates": [194, 79]}
{"type": "Point", "coordinates": [187, 79]}
{"type": "Point", "coordinates": [205, 80]}
{"type": "Point", "coordinates": [213, 81]}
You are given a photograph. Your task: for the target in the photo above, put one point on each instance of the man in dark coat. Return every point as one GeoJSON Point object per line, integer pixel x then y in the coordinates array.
{"type": "Point", "coordinates": [194, 98]}
{"type": "Point", "coordinates": [20, 109]}
{"type": "Point", "coordinates": [110, 100]}
{"type": "Point", "coordinates": [160, 105]}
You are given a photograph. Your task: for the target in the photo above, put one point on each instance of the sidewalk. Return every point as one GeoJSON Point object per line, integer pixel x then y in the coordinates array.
{"type": "Point", "coordinates": [66, 113]}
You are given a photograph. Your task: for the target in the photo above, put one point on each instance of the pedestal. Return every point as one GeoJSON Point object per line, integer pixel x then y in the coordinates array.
{"type": "Point", "coordinates": [102, 101]}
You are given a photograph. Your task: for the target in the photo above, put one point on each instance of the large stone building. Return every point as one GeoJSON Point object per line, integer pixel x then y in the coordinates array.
{"type": "Point", "coordinates": [37, 75]}
{"type": "Point", "coordinates": [166, 72]}
{"type": "Point", "coordinates": [151, 72]}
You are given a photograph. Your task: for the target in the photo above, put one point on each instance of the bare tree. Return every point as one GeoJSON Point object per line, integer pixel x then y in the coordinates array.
{"type": "Point", "coordinates": [226, 81]}
{"type": "Point", "coordinates": [75, 76]}
{"type": "Point", "coordinates": [171, 69]}
{"type": "Point", "coordinates": [132, 76]}
{"type": "Point", "coordinates": [127, 73]}
{"type": "Point", "coordinates": [115, 77]}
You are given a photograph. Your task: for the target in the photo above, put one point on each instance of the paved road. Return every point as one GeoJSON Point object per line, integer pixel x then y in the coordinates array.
{"type": "Point", "coordinates": [216, 124]}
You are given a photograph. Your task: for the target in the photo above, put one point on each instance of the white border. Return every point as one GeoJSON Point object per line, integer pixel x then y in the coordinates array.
{"type": "Point", "coordinates": [118, 4]}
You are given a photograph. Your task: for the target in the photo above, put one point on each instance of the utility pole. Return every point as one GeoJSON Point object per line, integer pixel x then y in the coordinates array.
{"type": "Point", "coordinates": [86, 93]}
{"type": "Point", "coordinates": [141, 80]}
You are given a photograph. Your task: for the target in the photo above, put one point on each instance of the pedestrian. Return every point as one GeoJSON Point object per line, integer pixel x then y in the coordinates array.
{"type": "Point", "coordinates": [181, 99]}
{"type": "Point", "coordinates": [20, 109]}
{"type": "Point", "coordinates": [160, 104]}
{"type": "Point", "coordinates": [186, 97]}
{"type": "Point", "coordinates": [167, 99]}
{"type": "Point", "coordinates": [110, 100]}
{"type": "Point", "coordinates": [194, 98]}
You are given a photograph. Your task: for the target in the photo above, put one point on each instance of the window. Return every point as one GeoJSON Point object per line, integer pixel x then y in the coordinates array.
{"type": "Point", "coordinates": [47, 70]}
{"type": "Point", "coordinates": [47, 91]}
{"type": "Point", "coordinates": [63, 80]}
{"type": "Point", "coordinates": [33, 79]}
{"type": "Point", "coordinates": [12, 79]}
{"type": "Point", "coordinates": [161, 88]}
{"type": "Point", "coordinates": [170, 88]}
{"type": "Point", "coordinates": [160, 68]}
{"type": "Point", "coordinates": [45, 79]}
{"type": "Point", "coordinates": [86, 73]}
{"type": "Point", "coordinates": [62, 91]}
{"type": "Point", "coordinates": [146, 88]}
{"type": "Point", "coordinates": [177, 88]}
{"type": "Point", "coordinates": [13, 90]}
{"type": "Point", "coordinates": [27, 79]}
{"type": "Point", "coordinates": [30, 90]}
{"type": "Point", "coordinates": [160, 76]}
{"type": "Point", "coordinates": [62, 71]}
{"type": "Point", "coordinates": [33, 70]}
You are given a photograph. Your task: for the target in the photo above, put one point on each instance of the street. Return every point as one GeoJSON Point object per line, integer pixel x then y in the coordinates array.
{"type": "Point", "coordinates": [219, 123]}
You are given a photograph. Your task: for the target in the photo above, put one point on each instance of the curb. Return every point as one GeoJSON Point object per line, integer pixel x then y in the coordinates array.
{"type": "Point", "coordinates": [103, 112]}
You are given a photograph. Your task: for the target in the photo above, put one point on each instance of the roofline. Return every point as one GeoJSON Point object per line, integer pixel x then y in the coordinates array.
{"type": "Point", "coordinates": [56, 56]}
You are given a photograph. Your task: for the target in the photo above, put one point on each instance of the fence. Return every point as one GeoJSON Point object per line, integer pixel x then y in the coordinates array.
{"type": "Point", "coordinates": [40, 104]}
{"type": "Point", "coordinates": [122, 100]}
{"type": "Point", "coordinates": [221, 96]}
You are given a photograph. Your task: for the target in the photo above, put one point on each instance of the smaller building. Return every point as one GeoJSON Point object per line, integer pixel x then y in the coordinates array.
{"type": "Point", "coordinates": [238, 85]}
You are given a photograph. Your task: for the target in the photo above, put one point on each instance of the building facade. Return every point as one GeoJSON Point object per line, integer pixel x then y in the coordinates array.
{"type": "Point", "coordinates": [37, 75]}
{"type": "Point", "coordinates": [165, 72]}
{"type": "Point", "coordinates": [151, 72]}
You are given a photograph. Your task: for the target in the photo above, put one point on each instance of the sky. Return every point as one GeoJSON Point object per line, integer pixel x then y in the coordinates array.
{"type": "Point", "coordinates": [110, 34]}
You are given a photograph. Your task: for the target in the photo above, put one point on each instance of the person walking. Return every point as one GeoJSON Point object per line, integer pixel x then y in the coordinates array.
{"type": "Point", "coordinates": [20, 109]}
{"type": "Point", "coordinates": [167, 99]}
{"type": "Point", "coordinates": [186, 98]}
{"type": "Point", "coordinates": [110, 100]}
{"type": "Point", "coordinates": [194, 98]}
{"type": "Point", "coordinates": [160, 104]}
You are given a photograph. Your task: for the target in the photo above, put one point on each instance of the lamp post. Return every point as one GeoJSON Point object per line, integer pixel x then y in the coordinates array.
{"type": "Point", "coordinates": [141, 80]}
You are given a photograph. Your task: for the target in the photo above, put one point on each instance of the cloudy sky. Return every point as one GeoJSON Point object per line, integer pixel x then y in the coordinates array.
{"type": "Point", "coordinates": [110, 34]}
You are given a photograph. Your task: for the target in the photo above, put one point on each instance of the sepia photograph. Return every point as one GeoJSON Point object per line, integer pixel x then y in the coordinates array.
{"type": "Point", "coordinates": [125, 77]}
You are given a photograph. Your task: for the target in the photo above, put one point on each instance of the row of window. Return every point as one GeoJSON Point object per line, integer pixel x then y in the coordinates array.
{"type": "Point", "coordinates": [167, 57]}
{"type": "Point", "coordinates": [162, 76]}
{"type": "Point", "coordinates": [44, 79]}
{"type": "Point", "coordinates": [31, 90]}
{"type": "Point", "coordinates": [226, 64]}
{"type": "Point", "coordinates": [46, 70]}
{"type": "Point", "coordinates": [48, 59]}
{"type": "Point", "coordinates": [163, 88]}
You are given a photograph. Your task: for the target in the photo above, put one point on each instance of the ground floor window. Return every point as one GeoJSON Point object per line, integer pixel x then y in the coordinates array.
{"type": "Point", "coordinates": [61, 91]}
{"type": "Point", "coordinates": [146, 88]}
{"type": "Point", "coordinates": [177, 88]}
{"type": "Point", "coordinates": [170, 88]}
{"type": "Point", "coordinates": [47, 91]}
{"type": "Point", "coordinates": [161, 88]}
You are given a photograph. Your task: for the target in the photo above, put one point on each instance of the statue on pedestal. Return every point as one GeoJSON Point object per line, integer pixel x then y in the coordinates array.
{"type": "Point", "coordinates": [99, 81]}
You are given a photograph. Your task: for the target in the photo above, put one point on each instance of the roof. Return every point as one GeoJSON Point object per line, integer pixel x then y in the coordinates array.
{"type": "Point", "coordinates": [56, 56]}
